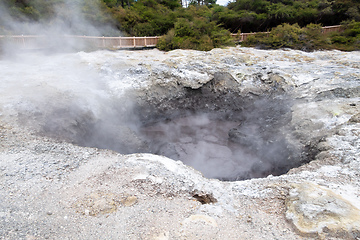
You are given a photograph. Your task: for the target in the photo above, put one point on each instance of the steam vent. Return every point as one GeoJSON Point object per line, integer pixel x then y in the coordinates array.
{"type": "Point", "coordinates": [234, 143]}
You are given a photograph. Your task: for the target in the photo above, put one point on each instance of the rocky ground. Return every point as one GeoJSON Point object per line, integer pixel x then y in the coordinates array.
{"type": "Point", "coordinates": [51, 188]}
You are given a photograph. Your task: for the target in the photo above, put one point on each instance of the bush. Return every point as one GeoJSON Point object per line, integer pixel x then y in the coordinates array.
{"type": "Point", "coordinates": [199, 34]}
{"type": "Point", "coordinates": [167, 42]}
{"type": "Point", "coordinates": [314, 38]}
{"type": "Point", "coordinates": [285, 35]}
{"type": "Point", "coordinates": [282, 36]}
{"type": "Point", "coordinates": [348, 39]}
{"type": "Point", "coordinates": [308, 38]}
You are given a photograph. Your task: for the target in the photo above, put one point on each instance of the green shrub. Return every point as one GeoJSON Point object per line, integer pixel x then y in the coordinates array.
{"type": "Point", "coordinates": [349, 38]}
{"type": "Point", "coordinates": [338, 39]}
{"type": "Point", "coordinates": [184, 28]}
{"type": "Point", "coordinates": [285, 35]}
{"type": "Point", "coordinates": [352, 29]}
{"type": "Point", "coordinates": [314, 39]}
{"type": "Point", "coordinates": [167, 42]}
{"type": "Point", "coordinates": [282, 36]}
{"type": "Point", "coordinates": [308, 38]}
{"type": "Point", "coordinates": [199, 34]}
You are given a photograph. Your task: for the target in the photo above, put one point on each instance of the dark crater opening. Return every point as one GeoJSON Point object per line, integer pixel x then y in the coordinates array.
{"type": "Point", "coordinates": [221, 129]}
{"type": "Point", "coordinates": [224, 131]}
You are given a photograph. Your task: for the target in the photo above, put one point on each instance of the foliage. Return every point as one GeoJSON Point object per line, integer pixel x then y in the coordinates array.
{"type": "Point", "coordinates": [349, 39]}
{"type": "Point", "coordinates": [285, 35]}
{"type": "Point", "coordinates": [74, 14]}
{"type": "Point", "coordinates": [308, 38]}
{"type": "Point", "coordinates": [266, 14]}
{"type": "Point", "coordinates": [202, 24]}
{"type": "Point", "coordinates": [144, 18]}
{"type": "Point", "coordinates": [30, 10]}
{"type": "Point", "coordinates": [196, 32]}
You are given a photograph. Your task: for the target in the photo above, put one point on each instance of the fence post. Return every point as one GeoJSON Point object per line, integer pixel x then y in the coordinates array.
{"type": "Point", "coordinates": [145, 41]}
{"type": "Point", "coordinates": [103, 41]}
{"type": "Point", "coordinates": [134, 42]}
{"type": "Point", "coordinates": [120, 42]}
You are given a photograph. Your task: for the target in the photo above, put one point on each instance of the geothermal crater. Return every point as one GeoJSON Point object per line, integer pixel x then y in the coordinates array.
{"type": "Point", "coordinates": [216, 128]}
{"type": "Point", "coordinates": [221, 132]}
{"type": "Point", "coordinates": [232, 114]}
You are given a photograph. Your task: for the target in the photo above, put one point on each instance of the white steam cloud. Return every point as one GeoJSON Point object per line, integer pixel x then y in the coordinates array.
{"type": "Point", "coordinates": [227, 149]}
{"type": "Point", "coordinates": [68, 97]}
{"type": "Point", "coordinates": [63, 96]}
{"type": "Point", "coordinates": [66, 18]}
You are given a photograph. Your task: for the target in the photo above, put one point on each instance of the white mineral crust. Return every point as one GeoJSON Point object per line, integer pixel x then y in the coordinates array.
{"type": "Point", "coordinates": [52, 189]}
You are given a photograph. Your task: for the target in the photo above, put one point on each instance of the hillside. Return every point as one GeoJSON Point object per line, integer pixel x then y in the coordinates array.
{"type": "Point", "coordinates": [192, 24]}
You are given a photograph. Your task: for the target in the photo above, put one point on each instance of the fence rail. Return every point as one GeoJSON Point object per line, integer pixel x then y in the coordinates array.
{"type": "Point", "coordinates": [35, 42]}
{"type": "Point", "coordinates": [243, 36]}
{"type": "Point", "coordinates": [118, 42]}
{"type": "Point", "coordinates": [328, 29]}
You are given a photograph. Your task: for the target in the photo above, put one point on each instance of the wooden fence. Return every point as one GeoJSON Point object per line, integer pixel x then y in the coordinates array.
{"type": "Point", "coordinates": [243, 36]}
{"type": "Point", "coordinates": [38, 42]}
{"type": "Point", "coordinates": [328, 29]}
{"type": "Point", "coordinates": [118, 42]}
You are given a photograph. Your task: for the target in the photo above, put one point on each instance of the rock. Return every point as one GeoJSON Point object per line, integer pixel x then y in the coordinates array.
{"type": "Point", "coordinates": [222, 82]}
{"type": "Point", "coordinates": [323, 146]}
{"type": "Point", "coordinates": [97, 203]}
{"type": "Point", "coordinates": [201, 218]}
{"type": "Point", "coordinates": [205, 198]}
{"type": "Point", "coordinates": [316, 210]}
{"type": "Point", "coordinates": [339, 93]}
{"type": "Point", "coordinates": [162, 236]}
{"type": "Point", "coordinates": [244, 137]}
{"type": "Point", "coordinates": [129, 201]}
{"type": "Point", "coordinates": [355, 118]}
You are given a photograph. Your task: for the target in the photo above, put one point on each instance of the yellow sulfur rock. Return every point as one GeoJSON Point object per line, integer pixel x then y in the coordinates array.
{"type": "Point", "coordinates": [315, 210]}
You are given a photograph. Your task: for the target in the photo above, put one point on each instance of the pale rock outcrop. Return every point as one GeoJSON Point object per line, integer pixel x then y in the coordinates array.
{"type": "Point", "coordinates": [317, 210]}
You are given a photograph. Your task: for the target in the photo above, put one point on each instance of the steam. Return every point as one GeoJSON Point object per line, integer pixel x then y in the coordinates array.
{"type": "Point", "coordinates": [66, 18]}
{"type": "Point", "coordinates": [196, 140]}
{"type": "Point", "coordinates": [255, 146]}
{"type": "Point", "coordinates": [64, 97]}
{"type": "Point", "coordinates": [56, 93]}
